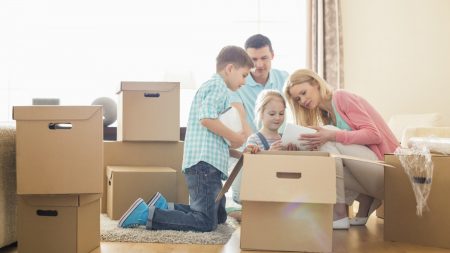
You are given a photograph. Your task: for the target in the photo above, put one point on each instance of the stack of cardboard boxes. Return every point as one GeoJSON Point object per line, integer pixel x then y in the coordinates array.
{"type": "Point", "coordinates": [59, 177]}
{"type": "Point", "coordinates": [147, 156]}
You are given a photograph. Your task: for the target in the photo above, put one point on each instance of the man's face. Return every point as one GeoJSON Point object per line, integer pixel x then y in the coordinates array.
{"type": "Point", "coordinates": [262, 58]}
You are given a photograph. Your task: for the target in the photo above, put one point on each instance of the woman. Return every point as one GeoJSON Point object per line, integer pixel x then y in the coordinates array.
{"type": "Point", "coordinates": [359, 130]}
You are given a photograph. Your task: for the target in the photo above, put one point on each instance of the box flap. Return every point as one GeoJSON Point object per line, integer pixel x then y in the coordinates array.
{"type": "Point", "coordinates": [113, 168]}
{"type": "Point", "coordinates": [110, 170]}
{"type": "Point", "coordinates": [300, 177]}
{"type": "Point", "coordinates": [432, 154]}
{"type": "Point", "coordinates": [60, 199]}
{"type": "Point", "coordinates": [55, 112]}
{"type": "Point", "coordinates": [148, 86]}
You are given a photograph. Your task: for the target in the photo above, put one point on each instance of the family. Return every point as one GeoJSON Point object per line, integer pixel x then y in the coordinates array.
{"type": "Point", "coordinates": [345, 123]}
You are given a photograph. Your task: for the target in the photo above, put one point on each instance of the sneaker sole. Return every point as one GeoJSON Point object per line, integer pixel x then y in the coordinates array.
{"type": "Point", "coordinates": [132, 207]}
{"type": "Point", "coordinates": [155, 198]}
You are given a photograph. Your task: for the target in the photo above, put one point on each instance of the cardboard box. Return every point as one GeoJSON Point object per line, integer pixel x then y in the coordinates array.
{"type": "Point", "coordinates": [58, 223]}
{"type": "Point", "coordinates": [380, 211]}
{"type": "Point", "coordinates": [149, 111]}
{"type": "Point", "coordinates": [400, 220]}
{"type": "Point", "coordinates": [160, 154]}
{"type": "Point", "coordinates": [59, 149]}
{"type": "Point", "coordinates": [287, 201]}
{"type": "Point", "coordinates": [127, 183]}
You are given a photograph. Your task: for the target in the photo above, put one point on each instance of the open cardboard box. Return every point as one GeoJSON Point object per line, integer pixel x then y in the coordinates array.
{"type": "Point", "coordinates": [401, 223]}
{"type": "Point", "coordinates": [290, 192]}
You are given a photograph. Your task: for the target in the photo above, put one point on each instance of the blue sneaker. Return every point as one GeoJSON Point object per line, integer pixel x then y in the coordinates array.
{"type": "Point", "coordinates": [135, 216]}
{"type": "Point", "coordinates": [158, 201]}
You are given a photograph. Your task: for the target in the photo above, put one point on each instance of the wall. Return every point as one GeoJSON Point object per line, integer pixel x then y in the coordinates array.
{"type": "Point", "coordinates": [397, 54]}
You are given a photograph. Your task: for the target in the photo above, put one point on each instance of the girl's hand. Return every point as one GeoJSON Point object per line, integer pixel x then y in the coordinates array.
{"type": "Point", "coordinates": [317, 139]}
{"type": "Point", "coordinates": [292, 147]}
{"type": "Point", "coordinates": [252, 149]}
{"type": "Point", "coordinates": [276, 145]}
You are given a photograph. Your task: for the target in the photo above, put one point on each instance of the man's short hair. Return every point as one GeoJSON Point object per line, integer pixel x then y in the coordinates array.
{"type": "Point", "coordinates": [233, 55]}
{"type": "Point", "coordinates": [258, 41]}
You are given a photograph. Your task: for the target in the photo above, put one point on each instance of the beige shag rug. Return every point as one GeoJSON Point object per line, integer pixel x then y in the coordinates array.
{"type": "Point", "coordinates": [111, 233]}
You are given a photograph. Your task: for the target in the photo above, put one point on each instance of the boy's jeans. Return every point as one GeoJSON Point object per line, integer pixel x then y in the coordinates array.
{"type": "Point", "coordinates": [203, 214]}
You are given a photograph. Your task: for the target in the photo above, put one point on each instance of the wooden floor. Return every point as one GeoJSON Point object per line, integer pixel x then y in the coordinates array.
{"type": "Point", "coordinates": [356, 240]}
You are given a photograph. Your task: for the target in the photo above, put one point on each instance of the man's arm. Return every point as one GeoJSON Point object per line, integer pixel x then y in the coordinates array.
{"type": "Point", "coordinates": [245, 126]}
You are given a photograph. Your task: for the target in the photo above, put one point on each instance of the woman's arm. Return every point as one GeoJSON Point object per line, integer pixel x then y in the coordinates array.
{"type": "Point", "coordinates": [354, 111]}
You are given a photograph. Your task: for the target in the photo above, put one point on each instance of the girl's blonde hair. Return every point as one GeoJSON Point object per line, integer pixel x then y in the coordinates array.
{"type": "Point", "coordinates": [302, 115]}
{"type": "Point", "coordinates": [262, 100]}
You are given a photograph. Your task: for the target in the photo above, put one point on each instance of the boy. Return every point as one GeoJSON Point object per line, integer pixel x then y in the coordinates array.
{"type": "Point", "coordinates": [205, 160]}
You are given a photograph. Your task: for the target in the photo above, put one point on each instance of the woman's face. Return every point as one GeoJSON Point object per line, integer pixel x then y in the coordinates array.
{"type": "Point", "coordinates": [307, 95]}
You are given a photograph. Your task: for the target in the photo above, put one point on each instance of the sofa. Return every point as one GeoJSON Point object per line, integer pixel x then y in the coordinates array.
{"type": "Point", "coordinates": [8, 205]}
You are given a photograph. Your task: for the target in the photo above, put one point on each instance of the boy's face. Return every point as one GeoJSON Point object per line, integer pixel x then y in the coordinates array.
{"type": "Point", "coordinates": [235, 77]}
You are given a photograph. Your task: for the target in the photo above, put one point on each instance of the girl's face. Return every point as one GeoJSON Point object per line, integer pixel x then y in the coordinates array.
{"type": "Point", "coordinates": [306, 95]}
{"type": "Point", "coordinates": [273, 114]}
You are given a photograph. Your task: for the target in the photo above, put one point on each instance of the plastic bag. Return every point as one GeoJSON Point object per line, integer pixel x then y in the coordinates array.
{"type": "Point", "coordinates": [417, 164]}
{"type": "Point", "coordinates": [434, 144]}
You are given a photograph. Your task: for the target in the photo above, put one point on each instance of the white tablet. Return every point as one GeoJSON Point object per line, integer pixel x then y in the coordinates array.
{"type": "Point", "coordinates": [291, 134]}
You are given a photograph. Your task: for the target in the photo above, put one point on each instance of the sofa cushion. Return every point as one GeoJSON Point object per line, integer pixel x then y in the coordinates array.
{"type": "Point", "coordinates": [7, 186]}
{"type": "Point", "coordinates": [398, 123]}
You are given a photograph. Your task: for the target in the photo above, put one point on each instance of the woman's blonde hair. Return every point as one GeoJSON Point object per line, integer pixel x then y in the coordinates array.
{"type": "Point", "coordinates": [304, 116]}
{"type": "Point", "coordinates": [262, 100]}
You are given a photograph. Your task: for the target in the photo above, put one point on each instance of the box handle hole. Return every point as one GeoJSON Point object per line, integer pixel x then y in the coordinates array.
{"type": "Point", "coordinates": [151, 95]}
{"type": "Point", "coordinates": [55, 126]}
{"type": "Point", "coordinates": [52, 213]}
{"type": "Point", "coordinates": [289, 175]}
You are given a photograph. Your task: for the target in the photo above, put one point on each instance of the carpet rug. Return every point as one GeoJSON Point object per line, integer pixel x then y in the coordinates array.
{"type": "Point", "coordinates": [111, 233]}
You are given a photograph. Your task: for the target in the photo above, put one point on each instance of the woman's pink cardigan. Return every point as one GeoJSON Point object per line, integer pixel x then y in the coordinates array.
{"type": "Point", "coordinates": [369, 128]}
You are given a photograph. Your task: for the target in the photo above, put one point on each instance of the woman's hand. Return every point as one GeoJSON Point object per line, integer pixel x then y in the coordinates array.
{"type": "Point", "coordinates": [276, 145]}
{"type": "Point", "coordinates": [317, 139]}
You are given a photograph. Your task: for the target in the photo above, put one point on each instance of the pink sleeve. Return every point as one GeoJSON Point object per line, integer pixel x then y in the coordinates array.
{"type": "Point", "coordinates": [352, 110]}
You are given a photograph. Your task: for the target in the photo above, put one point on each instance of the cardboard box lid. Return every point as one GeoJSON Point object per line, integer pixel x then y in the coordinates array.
{"type": "Point", "coordinates": [136, 169]}
{"type": "Point", "coordinates": [55, 112]}
{"type": "Point", "coordinates": [296, 177]}
{"type": "Point", "coordinates": [60, 199]}
{"type": "Point", "coordinates": [148, 86]}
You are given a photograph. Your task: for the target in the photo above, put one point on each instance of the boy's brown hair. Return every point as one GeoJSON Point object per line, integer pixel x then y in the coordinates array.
{"type": "Point", "coordinates": [233, 55]}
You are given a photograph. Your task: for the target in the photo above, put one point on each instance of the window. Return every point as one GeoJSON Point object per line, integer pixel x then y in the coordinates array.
{"type": "Point", "coordinates": [78, 51]}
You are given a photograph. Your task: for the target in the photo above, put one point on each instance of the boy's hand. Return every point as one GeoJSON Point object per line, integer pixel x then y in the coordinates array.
{"type": "Point", "coordinates": [238, 140]}
{"type": "Point", "coordinates": [252, 149]}
{"type": "Point", "coordinates": [276, 145]}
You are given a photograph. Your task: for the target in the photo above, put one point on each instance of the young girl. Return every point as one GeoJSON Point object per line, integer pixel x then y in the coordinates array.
{"type": "Point", "coordinates": [269, 116]}
{"type": "Point", "coordinates": [270, 107]}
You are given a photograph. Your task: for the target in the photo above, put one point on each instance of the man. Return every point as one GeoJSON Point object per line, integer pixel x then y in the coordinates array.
{"type": "Point", "coordinates": [259, 48]}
